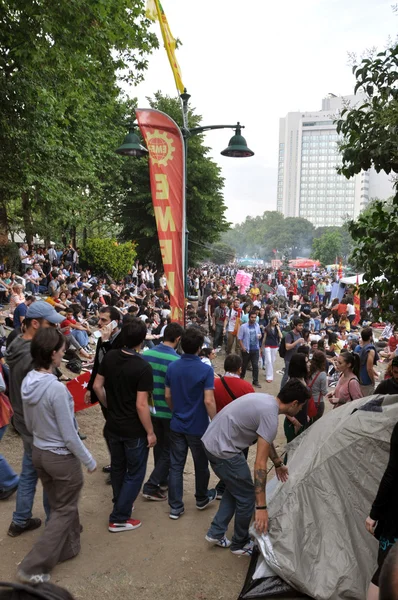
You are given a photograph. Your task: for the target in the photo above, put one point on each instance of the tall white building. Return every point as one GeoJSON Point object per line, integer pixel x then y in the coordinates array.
{"type": "Point", "coordinates": [308, 184]}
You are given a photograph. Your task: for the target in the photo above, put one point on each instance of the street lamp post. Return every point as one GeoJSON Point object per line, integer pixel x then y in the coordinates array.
{"type": "Point", "coordinates": [237, 148]}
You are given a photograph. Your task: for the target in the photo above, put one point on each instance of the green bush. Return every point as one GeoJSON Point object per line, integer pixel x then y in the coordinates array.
{"type": "Point", "coordinates": [108, 256]}
{"type": "Point", "coordinates": [9, 256]}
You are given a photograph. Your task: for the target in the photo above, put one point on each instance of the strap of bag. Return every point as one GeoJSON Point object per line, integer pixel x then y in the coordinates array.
{"type": "Point", "coordinates": [229, 391]}
{"type": "Point", "coordinates": [348, 388]}
{"type": "Point", "coordinates": [314, 380]}
{"type": "Point", "coordinates": [320, 393]}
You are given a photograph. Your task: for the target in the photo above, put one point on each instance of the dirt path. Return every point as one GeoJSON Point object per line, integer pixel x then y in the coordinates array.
{"type": "Point", "coordinates": [164, 559]}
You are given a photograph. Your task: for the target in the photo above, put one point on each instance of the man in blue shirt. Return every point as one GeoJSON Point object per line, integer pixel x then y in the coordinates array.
{"type": "Point", "coordinates": [249, 338]}
{"type": "Point", "coordinates": [20, 311]}
{"type": "Point", "coordinates": [368, 359]}
{"type": "Point", "coordinates": [189, 393]}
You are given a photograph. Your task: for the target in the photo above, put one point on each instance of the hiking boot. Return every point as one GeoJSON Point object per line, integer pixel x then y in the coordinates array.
{"type": "Point", "coordinates": [15, 530]}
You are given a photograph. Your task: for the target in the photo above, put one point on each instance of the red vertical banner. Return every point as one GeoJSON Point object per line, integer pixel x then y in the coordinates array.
{"type": "Point", "coordinates": [357, 304]}
{"type": "Point", "coordinates": [340, 271]}
{"type": "Point", "coordinates": [165, 144]}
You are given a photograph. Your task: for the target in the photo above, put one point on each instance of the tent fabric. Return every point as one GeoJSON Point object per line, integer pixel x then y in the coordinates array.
{"type": "Point", "coordinates": [270, 586]}
{"type": "Point", "coordinates": [317, 540]}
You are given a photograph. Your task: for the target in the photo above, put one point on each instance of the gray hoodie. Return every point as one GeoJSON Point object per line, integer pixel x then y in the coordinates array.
{"type": "Point", "coordinates": [19, 359]}
{"type": "Point", "coordinates": [49, 416]}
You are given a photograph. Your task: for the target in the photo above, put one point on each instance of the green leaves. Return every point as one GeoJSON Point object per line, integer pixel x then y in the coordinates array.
{"type": "Point", "coordinates": [107, 256]}
{"type": "Point", "coordinates": [327, 247]}
{"type": "Point", "coordinates": [370, 135]}
{"type": "Point", "coordinates": [60, 112]}
{"type": "Point", "coordinates": [260, 236]}
{"type": "Point", "coordinates": [375, 254]}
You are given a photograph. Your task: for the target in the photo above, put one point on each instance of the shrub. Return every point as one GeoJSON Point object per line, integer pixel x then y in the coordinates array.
{"type": "Point", "coordinates": [106, 256]}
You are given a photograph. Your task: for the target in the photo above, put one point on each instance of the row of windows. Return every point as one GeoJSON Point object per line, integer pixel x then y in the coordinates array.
{"type": "Point", "coordinates": [323, 176]}
{"type": "Point", "coordinates": [328, 184]}
{"type": "Point", "coordinates": [315, 139]}
{"type": "Point", "coordinates": [326, 208]}
{"type": "Point", "coordinates": [314, 168]}
{"type": "Point", "coordinates": [324, 155]}
{"type": "Point", "coordinates": [329, 175]}
{"type": "Point", "coordinates": [330, 193]}
{"type": "Point", "coordinates": [313, 123]}
{"type": "Point", "coordinates": [318, 149]}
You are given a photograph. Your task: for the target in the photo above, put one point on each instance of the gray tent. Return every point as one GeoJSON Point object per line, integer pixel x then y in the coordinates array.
{"type": "Point", "coordinates": [317, 541]}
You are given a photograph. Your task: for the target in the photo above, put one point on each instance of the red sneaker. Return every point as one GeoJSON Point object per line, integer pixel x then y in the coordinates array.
{"type": "Point", "coordinates": [128, 525]}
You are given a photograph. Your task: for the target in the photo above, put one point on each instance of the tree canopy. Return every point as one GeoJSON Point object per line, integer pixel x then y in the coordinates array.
{"type": "Point", "coordinates": [370, 135]}
{"type": "Point", "coordinates": [327, 247]}
{"type": "Point", "coordinates": [370, 139]}
{"type": "Point", "coordinates": [60, 106]}
{"type": "Point", "coordinates": [269, 234]}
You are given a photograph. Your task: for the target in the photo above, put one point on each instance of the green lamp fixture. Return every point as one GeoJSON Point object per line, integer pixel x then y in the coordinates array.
{"type": "Point", "coordinates": [237, 147]}
{"type": "Point", "coordinates": [131, 145]}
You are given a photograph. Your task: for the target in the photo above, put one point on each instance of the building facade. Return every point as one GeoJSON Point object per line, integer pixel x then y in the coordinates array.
{"type": "Point", "coordinates": [308, 183]}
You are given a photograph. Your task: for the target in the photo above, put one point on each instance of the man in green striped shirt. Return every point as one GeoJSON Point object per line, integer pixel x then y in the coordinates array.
{"type": "Point", "coordinates": [160, 357]}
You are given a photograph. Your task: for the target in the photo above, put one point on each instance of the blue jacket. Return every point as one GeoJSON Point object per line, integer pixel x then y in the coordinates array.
{"type": "Point", "coordinates": [244, 335]}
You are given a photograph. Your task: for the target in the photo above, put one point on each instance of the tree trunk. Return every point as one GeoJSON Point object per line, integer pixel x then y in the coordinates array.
{"type": "Point", "coordinates": [84, 235]}
{"type": "Point", "coordinates": [3, 222]}
{"type": "Point", "coordinates": [73, 235]}
{"type": "Point", "coordinates": [27, 218]}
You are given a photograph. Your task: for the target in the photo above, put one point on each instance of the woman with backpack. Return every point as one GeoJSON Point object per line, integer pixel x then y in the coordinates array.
{"type": "Point", "coordinates": [317, 382]}
{"type": "Point", "coordinates": [348, 387]}
{"type": "Point", "coordinates": [269, 347]}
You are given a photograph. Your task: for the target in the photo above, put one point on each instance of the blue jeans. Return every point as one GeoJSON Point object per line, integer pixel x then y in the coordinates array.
{"type": "Point", "coordinates": [8, 477]}
{"type": "Point", "coordinates": [81, 337]}
{"type": "Point", "coordinates": [129, 457]}
{"type": "Point", "coordinates": [161, 454]}
{"type": "Point", "coordinates": [27, 489]}
{"type": "Point", "coordinates": [179, 444]}
{"type": "Point", "coordinates": [238, 499]}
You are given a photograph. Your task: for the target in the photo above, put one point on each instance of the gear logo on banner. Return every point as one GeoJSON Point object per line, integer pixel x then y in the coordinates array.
{"type": "Point", "coordinates": [160, 147]}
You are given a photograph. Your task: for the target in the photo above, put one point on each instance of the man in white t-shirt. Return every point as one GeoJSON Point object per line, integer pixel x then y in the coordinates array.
{"type": "Point", "coordinates": [233, 314]}
{"type": "Point", "coordinates": [248, 419]}
{"type": "Point", "coordinates": [281, 291]}
{"type": "Point", "coordinates": [350, 312]}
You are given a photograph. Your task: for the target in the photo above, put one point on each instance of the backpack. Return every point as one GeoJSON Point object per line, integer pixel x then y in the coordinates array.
{"type": "Point", "coordinates": [312, 407]}
{"type": "Point", "coordinates": [282, 347]}
{"type": "Point", "coordinates": [74, 365]}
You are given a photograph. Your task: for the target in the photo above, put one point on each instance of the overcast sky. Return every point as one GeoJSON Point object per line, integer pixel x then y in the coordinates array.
{"type": "Point", "coordinates": [253, 61]}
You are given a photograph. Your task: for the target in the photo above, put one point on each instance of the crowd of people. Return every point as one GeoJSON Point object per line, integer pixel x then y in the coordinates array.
{"type": "Point", "coordinates": [157, 388]}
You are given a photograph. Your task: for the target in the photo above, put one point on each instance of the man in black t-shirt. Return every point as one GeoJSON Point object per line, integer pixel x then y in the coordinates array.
{"type": "Point", "coordinates": [123, 384]}
{"type": "Point", "coordinates": [389, 386]}
{"type": "Point", "coordinates": [305, 312]}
